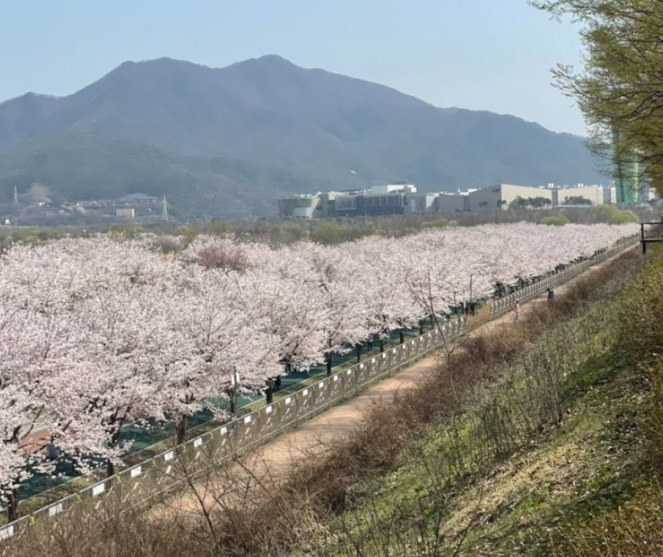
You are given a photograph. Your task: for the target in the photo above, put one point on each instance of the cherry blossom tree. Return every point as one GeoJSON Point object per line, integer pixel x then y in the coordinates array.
{"type": "Point", "coordinates": [288, 303]}
{"type": "Point", "coordinates": [230, 340]}
{"type": "Point", "coordinates": [336, 277]}
{"type": "Point", "coordinates": [38, 350]}
{"type": "Point", "coordinates": [137, 356]}
{"type": "Point", "coordinates": [99, 333]}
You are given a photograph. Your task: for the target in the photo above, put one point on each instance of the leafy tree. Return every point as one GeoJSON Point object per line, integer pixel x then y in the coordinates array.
{"type": "Point", "coordinates": [539, 202]}
{"type": "Point", "coordinates": [576, 200]}
{"type": "Point", "coordinates": [624, 217]}
{"type": "Point", "coordinates": [620, 90]}
{"type": "Point", "coordinates": [519, 203]}
{"type": "Point", "coordinates": [554, 220]}
{"type": "Point", "coordinates": [612, 215]}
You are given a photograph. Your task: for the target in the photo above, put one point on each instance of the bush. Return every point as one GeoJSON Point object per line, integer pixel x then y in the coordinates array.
{"type": "Point", "coordinates": [612, 215]}
{"type": "Point", "coordinates": [554, 220]}
{"type": "Point", "coordinates": [439, 223]}
{"type": "Point", "coordinates": [624, 217]}
{"type": "Point", "coordinates": [329, 233]}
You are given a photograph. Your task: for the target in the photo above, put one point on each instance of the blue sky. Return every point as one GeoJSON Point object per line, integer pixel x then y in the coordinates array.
{"type": "Point", "coordinates": [479, 54]}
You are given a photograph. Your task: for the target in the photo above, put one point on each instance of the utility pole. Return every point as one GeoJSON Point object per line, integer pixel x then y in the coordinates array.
{"type": "Point", "coordinates": [15, 196]}
{"type": "Point", "coordinates": [164, 209]}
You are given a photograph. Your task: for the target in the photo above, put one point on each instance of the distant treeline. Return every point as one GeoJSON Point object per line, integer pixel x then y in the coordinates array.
{"type": "Point", "coordinates": [329, 231]}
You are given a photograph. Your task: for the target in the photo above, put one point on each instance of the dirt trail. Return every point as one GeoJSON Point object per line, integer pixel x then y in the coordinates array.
{"type": "Point", "coordinates": [271, 462]}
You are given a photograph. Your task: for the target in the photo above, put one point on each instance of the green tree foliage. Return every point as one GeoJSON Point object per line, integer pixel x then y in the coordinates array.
{"type": "Point", "coordinates": [554, 220]}
{"type": "Point", "coordinates": [624, 217]}
{"type": "Point", "coordinates": [612, 215]}
{"type": "Point", "coordinates": [442, 222]}
{"type": "Point", "coordinates": [530, 203]}
{"type": "Point", "coordinates": [620, 89]}
{"type": "Point", "coordinates": [576, 200]}
{"type": "Point", "coordinates": [518, 203]}
{"type": "Point", "coordinates": [130, 231]}
{"type": "Point", "coordinates": [539, 202]}
{"type": "Point", "coordinates": [329, 233]}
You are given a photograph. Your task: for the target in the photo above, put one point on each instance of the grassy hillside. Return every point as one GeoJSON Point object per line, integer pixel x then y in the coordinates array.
{"type": "Point", "coordinates": [559, 455]}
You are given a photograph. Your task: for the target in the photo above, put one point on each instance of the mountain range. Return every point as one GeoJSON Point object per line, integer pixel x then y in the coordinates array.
{"type": "Point", "coordinates": [227, 142]}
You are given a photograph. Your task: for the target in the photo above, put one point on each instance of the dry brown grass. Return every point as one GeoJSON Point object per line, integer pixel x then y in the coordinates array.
{"type": "Point", "coordinates": [633, 530]}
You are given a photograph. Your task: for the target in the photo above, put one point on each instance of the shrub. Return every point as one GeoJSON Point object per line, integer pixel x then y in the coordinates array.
{"type": "Point", "coordinates": [624, 217]}
{"type": "Point", "coordinates": [554, 220]}
{"type": "Point", "coordinates": [442, 222]}
{"type": "Point", "coordinates": [329, 233]}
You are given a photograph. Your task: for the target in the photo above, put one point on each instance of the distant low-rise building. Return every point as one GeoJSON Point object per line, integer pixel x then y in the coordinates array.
{"type": "Point", "coordinates": [300, 207]}
{"type": "Point", "coordinates": [125, 212]}
{"type": "Point", "coordinates": [138, 198]}
{"type": "Point", "coordinates": [386, 199]}
{"type": "Point", "coordinates": [580, 195]}
{"type": "Point", "coordinates": [421, 203]}
{"type": "Point", "coordinates": [610, 195]}
{"type": "Point", "coordinates": [326, 205]}
{"type": "Point", "coordinates": [505, 196]}
{"type": "Point", "coordinates": [452, 202]}
{"type": "Point", "coordinates": [399, 199]}
{"type": "Point", "coordinates": [391, 188]}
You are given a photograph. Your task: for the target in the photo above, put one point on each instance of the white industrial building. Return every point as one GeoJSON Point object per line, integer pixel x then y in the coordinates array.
{"type": "Point", "coordinates": [566, 196]}
{"type": "Point", "coordinates": [501, 196]}
{"type": "Point", "coordinates": [399, 199]}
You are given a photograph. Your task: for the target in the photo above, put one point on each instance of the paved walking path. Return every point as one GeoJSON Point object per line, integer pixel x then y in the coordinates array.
{"type": "Point", "coordinates": [271, 462]}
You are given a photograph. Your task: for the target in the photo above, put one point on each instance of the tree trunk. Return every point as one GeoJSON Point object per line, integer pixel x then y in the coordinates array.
{"type": "Point", "coordinates": [328, 360]}
{"type": "Point", "coordinates": [358, 346]}
{"type": "Point", "coordinates": [402, 335]}
{"type": "Point", "coordinates": [12, 504]}
{"type": "Point", "coordinates": [269, 392]}
{"type": "Point", "coordinates": [421, 326]}
{"type": "Point", "coordinates": [233, 402]}
{"type": "Point", "coordinates": [112, 443]}
{"type": "Point", "coordinates": [181, 429]}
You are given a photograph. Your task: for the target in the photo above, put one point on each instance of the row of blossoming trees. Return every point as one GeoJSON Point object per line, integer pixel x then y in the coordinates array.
{"type": "Point", "coordinates": [98, 333]}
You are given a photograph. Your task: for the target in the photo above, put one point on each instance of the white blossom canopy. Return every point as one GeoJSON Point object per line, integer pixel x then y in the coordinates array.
{"type": "Point", "coordinates": [96, 333]}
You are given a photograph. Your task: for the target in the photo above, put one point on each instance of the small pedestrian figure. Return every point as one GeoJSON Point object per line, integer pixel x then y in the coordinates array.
{"type": "Point", "coordinates": [517, 310]}
{"type": "Point", "coordinates": [551, 294]}
{"type": "Point", "coordinates": [277, 383]}
{"type": "Point", "coordinates": [369, 343]}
